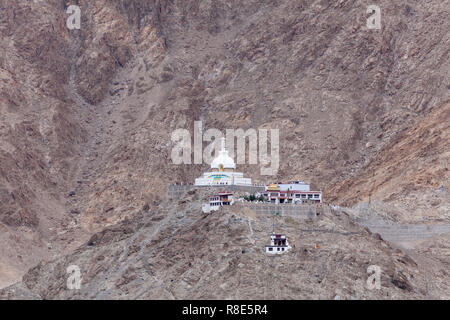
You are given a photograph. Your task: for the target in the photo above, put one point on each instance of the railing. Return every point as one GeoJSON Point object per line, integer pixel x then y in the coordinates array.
{"type": "Point", "coordinates": [177, 190]}
{"type": "Point", "coordinates": [301, 211]}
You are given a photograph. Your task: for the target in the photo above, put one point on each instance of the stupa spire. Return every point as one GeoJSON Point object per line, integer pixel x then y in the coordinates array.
{"type": "Point", "coordinates": [223, 143]}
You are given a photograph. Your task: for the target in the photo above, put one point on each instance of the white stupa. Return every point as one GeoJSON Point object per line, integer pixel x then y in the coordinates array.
{"type": "Point", "coordinates": [222, 172]}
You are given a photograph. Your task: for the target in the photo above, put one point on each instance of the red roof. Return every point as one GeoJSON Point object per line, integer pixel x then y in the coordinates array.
{"type": "Point", "coordinates": [295, 192]}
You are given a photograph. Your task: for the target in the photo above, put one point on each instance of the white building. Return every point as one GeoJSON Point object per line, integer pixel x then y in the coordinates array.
{"type": "Point", "coordinates": [217, 201]}
{"type": "Point", "coordinates": [278, 244]}
{"type": "Point", "coordinates": [222, 172]}
{"type": "Point", "coordinates": [291, 193]}
{"type": "Point", "coordinates": [294, 186]}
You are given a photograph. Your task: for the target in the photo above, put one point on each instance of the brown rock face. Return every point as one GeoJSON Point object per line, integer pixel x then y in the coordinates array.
{"type": "Point", "coordinates": [89, 113]}
{"type": "Point", "coordinates": [176, 252]}
{"type": "Point", "coordinates": [410, 172]}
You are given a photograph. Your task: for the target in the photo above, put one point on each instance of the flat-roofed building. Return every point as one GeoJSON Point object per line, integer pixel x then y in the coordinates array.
{"type": "Point", "coordinates": [291, 193]}
{"type": "Point", "coordinates": [217, 201]}
{"type": "Point", "coordinates": [278, 244]}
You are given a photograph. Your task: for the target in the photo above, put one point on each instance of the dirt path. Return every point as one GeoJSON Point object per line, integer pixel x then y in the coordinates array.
{"type": "Point", "coordinates": [408, 232]}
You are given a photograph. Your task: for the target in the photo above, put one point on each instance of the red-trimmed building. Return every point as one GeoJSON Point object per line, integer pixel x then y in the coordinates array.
{"type": "Point", "coordinates": [217, 201]}
{"type": "Point", "coordinates": [275, 194]}
{"type": "Point", "coordinates": [278, 244]}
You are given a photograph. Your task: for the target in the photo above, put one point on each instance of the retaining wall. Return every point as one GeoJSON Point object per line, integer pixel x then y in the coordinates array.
{"type": "Point", "coordinates": [178, 190]}
{"type": "Point", "coordinates": [296, 211]}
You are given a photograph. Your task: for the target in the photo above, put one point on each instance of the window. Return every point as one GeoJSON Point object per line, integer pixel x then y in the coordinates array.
{"type": "Point", "coordinates": [270, 249]}
{"type": "Point", "coordinates": [278, 249]}
{"type": "Point", "coordinates": [316, 196]}
{"type": "Point", "coordinates": [304, 196]}
{"type": "Point", "coordinates": [297, 196]}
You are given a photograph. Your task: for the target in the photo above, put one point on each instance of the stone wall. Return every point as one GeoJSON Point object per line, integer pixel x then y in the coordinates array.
{"type": "Point", "coordinates": [408, 232]}
{"type": "Point", "coordinates": [296, 211]}
{"type": "Point", "coordinates": [178, 190]}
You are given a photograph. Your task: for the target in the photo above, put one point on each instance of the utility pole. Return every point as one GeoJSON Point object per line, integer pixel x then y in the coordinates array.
{"type": "Point", "coordinates": [273, 222]}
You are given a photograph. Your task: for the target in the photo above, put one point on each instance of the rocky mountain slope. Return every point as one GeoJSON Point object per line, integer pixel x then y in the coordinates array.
{"type": "Point", "coordinates": [177, 252]}
{"type": "Point", "coordinates": [86, 115]}
{"type": "Point", "coordinates": [410, 173]}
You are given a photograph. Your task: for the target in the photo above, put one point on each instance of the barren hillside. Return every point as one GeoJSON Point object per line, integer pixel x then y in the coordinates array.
{"type": "Point", "coordinates": [410, 173]}
{"type": "Point", "coordinates": [177, 252]}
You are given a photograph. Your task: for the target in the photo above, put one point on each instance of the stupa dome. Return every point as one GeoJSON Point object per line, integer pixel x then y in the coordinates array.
{"type": "Point", "coordinates": [223, 160]}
